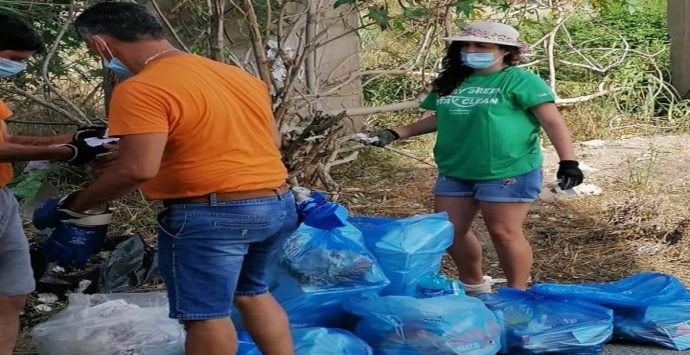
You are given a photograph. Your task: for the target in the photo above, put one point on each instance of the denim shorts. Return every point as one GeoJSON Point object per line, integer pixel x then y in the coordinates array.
{"type": "Point", "coordinates": [520, 188]}
{"type": "Point", "coordinates": [208, 253]}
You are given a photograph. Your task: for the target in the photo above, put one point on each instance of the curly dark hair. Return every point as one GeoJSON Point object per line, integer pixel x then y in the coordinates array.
{"type": "Point", "coordinates": [17, 35]}
{"type": "Point", "coordinates": [453, 72]}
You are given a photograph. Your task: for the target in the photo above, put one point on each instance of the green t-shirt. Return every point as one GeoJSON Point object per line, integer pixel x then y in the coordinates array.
{"type": "Point", "coordinates": [486, 130]}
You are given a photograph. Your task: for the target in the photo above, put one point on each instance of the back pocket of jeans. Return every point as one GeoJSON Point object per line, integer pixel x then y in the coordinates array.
{"type": "Point", "coordinates": [238, 221]}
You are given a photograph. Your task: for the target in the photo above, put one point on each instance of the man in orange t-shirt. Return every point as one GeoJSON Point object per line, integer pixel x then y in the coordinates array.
{"type": "Point", "coordinates": [198, 135]}
{"type": "Point", "coordinates": [18, 42]}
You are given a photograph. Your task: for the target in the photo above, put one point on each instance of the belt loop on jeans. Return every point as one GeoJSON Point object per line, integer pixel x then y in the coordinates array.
{"type": "Point", "coordinates": [277, 191]}
{"type": "Point", "coordinates": [213, 199]}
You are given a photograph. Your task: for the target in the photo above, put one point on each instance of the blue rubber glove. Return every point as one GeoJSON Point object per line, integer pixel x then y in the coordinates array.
{"type": "Point", "coordinates": [50, 213]}
{"type": "Point", "coordinates": [315, 211]}
{"type": "Point", "coordinates": [77, 235]}
{"type": "Point", "coordinates": [46, 215]}
{"type": "Point", "coordinates": [74, 244]}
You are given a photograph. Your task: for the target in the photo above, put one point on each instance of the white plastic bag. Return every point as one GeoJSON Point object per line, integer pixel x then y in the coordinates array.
{"type": "Point", "coordinates": [111, 324]}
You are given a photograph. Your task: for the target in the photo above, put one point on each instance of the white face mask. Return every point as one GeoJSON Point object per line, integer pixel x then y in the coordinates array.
{"type": "Point", "coordinates": [10, 67]}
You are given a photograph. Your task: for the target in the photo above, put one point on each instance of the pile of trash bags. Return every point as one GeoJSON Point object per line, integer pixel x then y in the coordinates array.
{"type": "Point", "coordinates": [371, 285]}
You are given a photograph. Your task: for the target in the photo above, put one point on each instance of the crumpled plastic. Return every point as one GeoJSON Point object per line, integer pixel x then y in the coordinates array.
{"type": "Point", "coordinates": [111, 324]}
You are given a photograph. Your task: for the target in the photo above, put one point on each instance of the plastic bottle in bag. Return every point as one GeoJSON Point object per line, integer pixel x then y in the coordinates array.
{"type": "Point", "coordinates": [434, 284]}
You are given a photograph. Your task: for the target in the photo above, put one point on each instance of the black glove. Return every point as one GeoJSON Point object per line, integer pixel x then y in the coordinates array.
{"type": "Point", "coordinates": [383, 137]}
{"type": "Point", "coordinates": [89, 132]}
{"type": "Point", "coordinates": [569, 175]}
{"type": "Point", "coordinates": [83, 153]}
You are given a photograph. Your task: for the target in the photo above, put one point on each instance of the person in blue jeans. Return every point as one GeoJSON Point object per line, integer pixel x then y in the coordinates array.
{"type": "Point", "coordinates": [199, 136]}
{"type": "Point", "coordinates": [488, 115]}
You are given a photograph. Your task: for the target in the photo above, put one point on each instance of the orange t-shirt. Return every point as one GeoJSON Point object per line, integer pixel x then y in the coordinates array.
{"type": "Point", "coordinates": [5, 168]}
{"type": "Point", "coordinates": [219, 123]}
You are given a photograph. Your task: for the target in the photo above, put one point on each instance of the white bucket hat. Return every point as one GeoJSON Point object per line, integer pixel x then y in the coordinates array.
{"type": "Point", "coordinates": [489, 32]}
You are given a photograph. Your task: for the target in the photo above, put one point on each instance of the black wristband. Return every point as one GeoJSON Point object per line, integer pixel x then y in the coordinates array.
{"type": "Point", "coordinates": [569, 164]}
{"type": "Point", "coordinates": [394, 133]}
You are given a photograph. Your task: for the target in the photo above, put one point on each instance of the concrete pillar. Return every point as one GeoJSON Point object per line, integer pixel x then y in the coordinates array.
{"type": "Point", "coordinates": [679, 29]}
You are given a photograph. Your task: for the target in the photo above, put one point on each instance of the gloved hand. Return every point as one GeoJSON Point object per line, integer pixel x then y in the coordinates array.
{"type": "Point", "coordinates": [569, 174]}
{"type": "Point", "coordinates": [382, 137]}
{"type": "Point", "coordinates": [83, 153]}
{"type": "Point", "coordinates": [89, 132]}
{"type": "Point", "coordinates": [77, 235]}
{"type": "Point", "coordinates": [52, 212]}
{"type": "Point", "coordinates": [75, 242]}
{"type": "Point", "coordinates": [315, 211]}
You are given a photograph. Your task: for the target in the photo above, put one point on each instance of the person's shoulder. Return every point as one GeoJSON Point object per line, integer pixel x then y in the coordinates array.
{"type": "Point", "coordinates": [522, 73]}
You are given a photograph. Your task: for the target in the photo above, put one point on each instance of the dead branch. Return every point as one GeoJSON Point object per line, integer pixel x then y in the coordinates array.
{"type": "Point", "coordinates": [310, 35]}
{"type": "Point", "coordinates": [309, 155]}
{"type": "Point", "coordinates": [42, 123]}
{"type": "Point", "coordinates": [163, 18]}
{"type": "Point", "coordinates": [257, 43]}
{"type": "Point", "coordinates": [80, 115]}
{"type": "Point", "coordinates": [361, 111]}
{"type": "Point", "coordinates": [42, 102]}
{"type": "Point", "coordinates": [580, 99]}
{"type": "Point", "coordinates": [216, 45]}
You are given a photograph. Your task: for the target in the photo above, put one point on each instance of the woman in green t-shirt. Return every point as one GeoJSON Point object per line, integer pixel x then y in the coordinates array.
{"type": "Point", "coordinates": [488, 115]}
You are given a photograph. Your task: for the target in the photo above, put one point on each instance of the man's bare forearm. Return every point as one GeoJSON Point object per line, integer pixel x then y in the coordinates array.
{"type": "Point", "coordinates": [38, 141]}
{"type": "Point", "coordinates": [108, 187]}
{"type": "Point", "coordinates": [10, 152]}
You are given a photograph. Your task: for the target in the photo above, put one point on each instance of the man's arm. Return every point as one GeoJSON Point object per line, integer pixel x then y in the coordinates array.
{"type": "Point", "coordinates": [31, 140]}
{"type": "Point", "coordinates": [138, 160]}
{"type": "Point", "coordinates": [10, 152]}
{"type": "Point", "coordinates": [40, 141]}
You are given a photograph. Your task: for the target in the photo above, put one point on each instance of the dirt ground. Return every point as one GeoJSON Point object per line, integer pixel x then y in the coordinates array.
{"type": "Point", "coordinates": [640, 221]}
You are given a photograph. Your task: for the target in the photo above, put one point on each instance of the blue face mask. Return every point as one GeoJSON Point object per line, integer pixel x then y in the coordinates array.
{"type": "Point", "coordinates": [478, 60]}
{"type": "Point", "coordinates": [10, 67]}
{"type": "Point", "coordinates": [118, 67]}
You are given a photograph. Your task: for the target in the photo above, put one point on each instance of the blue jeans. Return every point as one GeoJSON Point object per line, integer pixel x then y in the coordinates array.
{"type": "Point", "coordinates": [209, 253]}
{"type": "Point", "coordinates": [520, 188]}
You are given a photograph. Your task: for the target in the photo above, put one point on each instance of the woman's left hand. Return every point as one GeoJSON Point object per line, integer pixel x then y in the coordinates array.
{"type": "Point", "coordinates": [569, 174]}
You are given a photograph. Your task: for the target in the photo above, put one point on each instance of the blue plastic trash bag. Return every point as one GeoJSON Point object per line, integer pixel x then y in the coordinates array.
{"type": "Point", "coordinates": [439, 326]}
{"type": "Point", "coordinates": [535, 324]}
{"type": "Point", "coordinates": [323, 259]}
{"type": "Point", "coordinates": [638, 290]}
{"type": "Point", "coordinates": [314, 341]}
{"type": "Point", "coordinates": [665, 324]}
{"type": "Point", "coordinates": [316, 271]}
{"type": "Point", "coordinates": [406, 248]}
{"type": "Point", "coordinates": [650, 307]}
